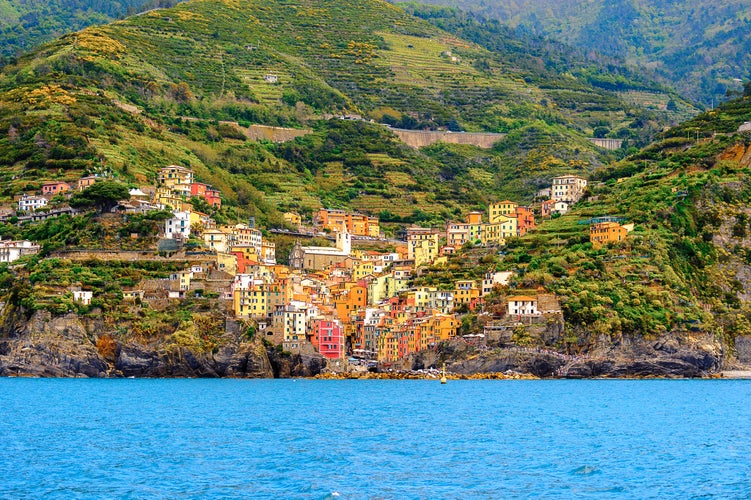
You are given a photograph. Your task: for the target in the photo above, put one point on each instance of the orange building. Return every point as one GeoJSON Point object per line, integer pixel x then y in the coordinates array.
{"type": "Point", "coordinates": [208, 193]}
{"type": "Point", "coordinates": [351, 299]}
{"type": "Point", "coordinates": [338, 220]}
{"type": "Point", "coordinates": [53, 188]}
{"type": "Point", "coordinates": [525, 220]}
{"type": "Point", "coordinates": [603, 233]}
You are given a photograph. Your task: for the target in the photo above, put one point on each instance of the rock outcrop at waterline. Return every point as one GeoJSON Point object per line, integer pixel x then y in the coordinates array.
{"type": "Point", "coordinates": [44, 345]}
{"type": "Point", "coordinates": [72, 346]}
{"type": "Point", "coordinates": [668, 357]}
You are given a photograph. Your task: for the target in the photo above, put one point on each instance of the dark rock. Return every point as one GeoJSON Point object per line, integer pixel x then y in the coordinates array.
{"type": "Point", "coordinates": [285, 365]}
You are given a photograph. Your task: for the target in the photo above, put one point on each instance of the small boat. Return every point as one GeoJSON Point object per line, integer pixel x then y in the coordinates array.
{"type": "Point", "coordinates": [443, 374]}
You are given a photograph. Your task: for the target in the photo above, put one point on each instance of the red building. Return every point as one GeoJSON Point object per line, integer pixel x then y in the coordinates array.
{"type": "Point", "coordinates": [328, 337]}
{"type": "Point", "coordinates": [208, 193]}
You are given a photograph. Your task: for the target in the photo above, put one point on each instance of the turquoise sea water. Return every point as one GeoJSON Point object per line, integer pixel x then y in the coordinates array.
{"type": "Point", "coordinates": [374, 439]}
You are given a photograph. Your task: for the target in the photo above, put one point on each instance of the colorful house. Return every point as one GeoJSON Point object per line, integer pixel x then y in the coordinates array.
{"type": "Point", "coordinates": [522, 305]}
{"type": "Point", "coordinates": [53, 188]}
{"type": "Point", "coordinates": [327, 336]}
{"type": "Point", "coordinates": [603, 233]}
{"type": "Point", "coordinates": [465, 291]}
{"type": "Point", "coordinates": [505, 207]}
{"type": "Point", "coordinates": [208, 193]}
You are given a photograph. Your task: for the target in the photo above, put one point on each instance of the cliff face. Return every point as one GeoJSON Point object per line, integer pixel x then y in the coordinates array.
{"type": "Point", "coordinates": [670, 356]}
{"type": "Point", "coordinates": [72, 346]}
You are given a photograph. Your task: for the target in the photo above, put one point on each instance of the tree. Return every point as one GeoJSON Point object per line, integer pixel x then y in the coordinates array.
{"type": "Point", "coordinates": [747, 89]}
{"type": "Point", "coordinates": [103, 195]}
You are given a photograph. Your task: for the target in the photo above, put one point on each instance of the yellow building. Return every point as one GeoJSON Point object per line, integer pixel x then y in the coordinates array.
{"type": "Point", "coordinates": [380, 288]}
{"type": "Point", "coordinates": [420, 297]}
{"type": "Point", "coordinates": [495, 210]}
{"type": "Point", "coordinates": [422, 245]}
{"type": "Point", "coordinates": [493, 233]}
{"type": "Point", "coordinates": [249, 299]}
{"type": "Point", "coordinates": [226, 262]}
{"type": "Point", "coordinates": [164, 196]}
{"type": "Point", "coordinates": [183, 280]}
{"type": "Point", "coordinates": [465, 291]}
{"type": "Point", "coordinates": [362, 269]}
{"type": "Point", "coordinates": [175, 175]}
{"type": "Point", "coordinates": [201, 219]}
{"type": "Point", "coordinates": [216, 239]}
{"type": "Point", "coordinates": [387, 347]}
{"type": "Point", "coordinates": [292, 218]}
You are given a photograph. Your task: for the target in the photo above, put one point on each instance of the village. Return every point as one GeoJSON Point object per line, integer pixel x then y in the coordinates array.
{"type": "Point", "coordinates": [339, 301]}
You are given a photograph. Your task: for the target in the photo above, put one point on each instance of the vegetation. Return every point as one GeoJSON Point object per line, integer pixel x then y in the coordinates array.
{"type": "Point", "coordinates": [28, 24]}
{"type": "Point", "coordinates": [103, 101]}
{"type": "Point", "coordinates": [701, 49]}
{"type": "Point", "coordinates": [681, 270]}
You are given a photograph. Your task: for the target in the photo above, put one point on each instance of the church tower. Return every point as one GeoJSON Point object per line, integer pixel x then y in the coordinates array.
{"type": "Point", "coordinates": [344, 241]}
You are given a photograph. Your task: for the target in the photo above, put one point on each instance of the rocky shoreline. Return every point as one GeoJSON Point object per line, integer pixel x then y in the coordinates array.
{"type": "Point", "coordinates": [44, 345]}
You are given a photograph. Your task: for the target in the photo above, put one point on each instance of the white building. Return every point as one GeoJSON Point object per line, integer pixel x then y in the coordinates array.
{"type": "Point", "coordinates": [216, 239]}
{"type": "Point", "coordinates": [82, 296]}
{"type": "Point", "coordinates": [559, 207]}
{"type": "Point", "coordinates": [568, 188]}
{"type": "Point", "coordinates": [521, 305]}
{"type": "Point", "coordinates": [442, 301]}
{"type": "Point", "coordinates": [14, 250]}
{"type": "Point", "coordinates": [30, 203]}
{"type": "Point", "coordinates": [178, 226]}
{"type": "Point", "coordinates": [492, 279]}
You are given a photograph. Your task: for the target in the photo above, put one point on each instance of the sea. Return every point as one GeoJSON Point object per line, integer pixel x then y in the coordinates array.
{"type": "Point", "coordinates": [374, 439]}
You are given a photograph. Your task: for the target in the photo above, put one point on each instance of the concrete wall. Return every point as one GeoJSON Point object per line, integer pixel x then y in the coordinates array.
{"type": "Point", "coordinates": [610, 144]}
{"type": "Point", "coordinates": [421, 138]}
{"type": "Point", "coordinates": [273, 134]}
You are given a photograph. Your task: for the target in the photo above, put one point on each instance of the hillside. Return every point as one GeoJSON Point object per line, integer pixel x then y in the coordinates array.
{"type": "Point", "coordinates": [699, 47]}
{"type": "Point", "coordinates": [105, 100]}
{"type": "Point", "coordinates": [190, 85]}
{"type": "Point", "coordinates": [25, 25]}
{"type": "Point", "coordinates": [679, 280]}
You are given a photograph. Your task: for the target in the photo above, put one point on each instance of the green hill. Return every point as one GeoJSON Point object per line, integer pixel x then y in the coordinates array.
{"type": "Point", "coordinates": [681, 274]}
{"type": "Point", "coordinates": [701, 48]}
{"type": "Point", "coordinates": [178, 86]}
{"type": "Point", "coordinates": [24, 25]}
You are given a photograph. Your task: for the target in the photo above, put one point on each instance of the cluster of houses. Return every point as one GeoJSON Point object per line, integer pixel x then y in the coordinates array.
{"type": "Point", "coordinates": [33, 202]}
{"type": "Point", "coordinates": [338, 300]}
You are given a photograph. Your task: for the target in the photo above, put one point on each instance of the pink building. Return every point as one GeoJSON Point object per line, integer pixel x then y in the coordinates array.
{"type": "Point", "coordinates": [328, 337]}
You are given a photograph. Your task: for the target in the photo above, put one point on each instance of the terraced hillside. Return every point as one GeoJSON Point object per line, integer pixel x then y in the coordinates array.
{"type": "Point", "coordinates": [681, 277]}
{"type": "Point", "coordinates": [25, 25]}
{"type": "Point", "coordinates": [168, 86]}
{"type": "Point", "coordinates": [700, 47]}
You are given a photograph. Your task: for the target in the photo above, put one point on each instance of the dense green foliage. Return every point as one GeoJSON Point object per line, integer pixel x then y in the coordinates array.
{"type": "Point", "coordinates": [104, 101]}
{"type": "Point", "coordinates": [683, 267]}
{"type": "Point", "coordinates": [24, 25]}
{"type": "Point", "coordinates": [699, 47]}
{"type": "Point", "coordinates": [103, 195]}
